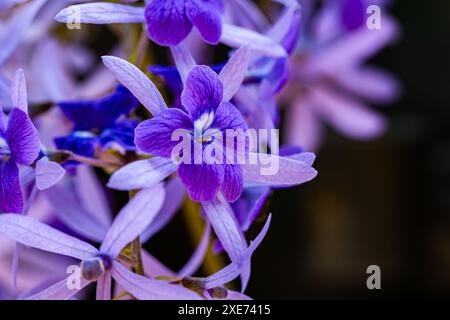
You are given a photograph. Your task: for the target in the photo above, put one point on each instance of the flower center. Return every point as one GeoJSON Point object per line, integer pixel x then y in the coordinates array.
{"type": "Point", "coordinates": [202, 131]}
{"type": "Point", "coordinates": [93, 268]}
{"type": "Point", "coordinates": [5, 152]}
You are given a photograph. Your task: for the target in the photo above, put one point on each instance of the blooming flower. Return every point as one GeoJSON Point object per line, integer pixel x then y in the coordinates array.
{"type": "Point", "coordinates": [19, 145]}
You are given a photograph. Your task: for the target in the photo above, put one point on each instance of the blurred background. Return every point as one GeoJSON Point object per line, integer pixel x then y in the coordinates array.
{"type": "Point", "coordinates": [385, 202]}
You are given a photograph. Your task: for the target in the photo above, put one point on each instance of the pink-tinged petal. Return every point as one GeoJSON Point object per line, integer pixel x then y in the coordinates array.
{"type": "Point", "coordinates": [146, 289]}
{"type": "Point", "coordinates": [17, 26]}
{"type": "Point", "coordinates": [233, 73]}
{"type": "Point", "coordinates": [59, 291]}
{"type": "Point", "coordinates": [267, 169]}
{"type": "Point", "coordinates": [133, 219]}
{"type": "Point", "coordinates": [11, 199]}
{"type": "Point", "coordinates": [19, 91]}
{"type": "Point", "coordinates": [371, 84]}
{"type": "Point", "coordinates": [248, 15]}
{"type": "Point", "coordinates": [154, 136]}
{"type": "Point", "coordinates": [22, 137]}
{"type": "Point", "coordinates": [233, 182]}
{"type": "Point", "coordinates": [203, 92]}
{"type": "Point", "coordinates": [69, 209]}
{"type": "Point", "coordinates": [137, 82]}
{"type": "Point", "coordinates": [33, 233]}
{"type": "Point", "coordinates": [48, 173]}
{"type": "Point", "coordinates": [175, 194]}
{"type": "Point", "coordinates": [199, 254]}
{"type": "Point", "coordinates": [153, 267]}
{"type": "Point", "coordinates": [236, 37]}
{"type": "Point", "coordinates": [103, 291]}
{"type": "Point", "coordinates": [142, 174]}
{"type": "Point", "coordinates": [101, 13]}
{"type": "Point", "coordinates": [202, 181]}
{"type": "Point", "coordinates": [349, 116]}
{"type": "Point", "coordinates": [167, 22]}
{"type": "Point", "coordinates": [226, 227]}
{"type": "Point", "coordinates": [183, 60]}
{"type": "Point", "coordinates": [303, 127]}
{"type": "Point", "coordinates": [206, 19]}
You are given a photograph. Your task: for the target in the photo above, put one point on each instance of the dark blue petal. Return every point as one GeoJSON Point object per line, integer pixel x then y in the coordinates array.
{"type": "Point", "coordinates": [81, 143]}
{"type": "Point", "coordinates": [99, 114]}
{"type": "Point", "coordinates": [121, 133]}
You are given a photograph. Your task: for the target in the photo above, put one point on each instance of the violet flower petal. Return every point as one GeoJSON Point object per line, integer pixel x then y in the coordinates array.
{"type": "Point", "coordinates": [231, 271]}
{"type": "Point", "coordinates": [142, 174]}
{"type": "Point", "coordinates": [203, 92]}
{"type": "Point", "coordinates": [59, 291]}
{"type": "Point", "coordinates": [175, 194]}
{"type": "Point", "coordinates": [33, 233]}
{"type": "Point", "coordinates": [10, 193]}
{"type": "Point", "coordinates": [228, 232]}
{"type": "Point", "coordinates": [233, 73]}
{"type": "Point", "coordinates": [22, 137]}
{"type": "Point", "coordinates": [233, 182]}
{"type": "Point", "coordinates": [153, 267]}
{"type": "Point", "coordinates": [103, 291]}
{"type": "Point", "coordinates": [167, 22]}
{"type": "Point", "coordinates": [183, 60]}
{"type": "Point", "coordinates": [288, 171]}
{"type": "Point", "coordinates": [19, 91]}
{"type": "Point", "coordinates": [206, 19]}
{"type": "Point", "coordinates": [137, 82]}
{"type": "Point", "coordinates": [48, 173]}
{"type": "Point", "coordinates": [133, 219]}
{"type": "Point", "coordinates": [102, 13]}
{"type": "Point", "coordinates": [202, 181]}
{"type": "Point", "coordinates": [236, 37]}
{"type": "Point", "coordinates": [349, 116]}
{"type": "Point", "coordinates": [154, 136]}
{"type": "Point", "coordinates": [69, 209]}
{"type": "Point", "coordinates": [146, 289]}
{"type": "Point", "coordinates": [17, 27]}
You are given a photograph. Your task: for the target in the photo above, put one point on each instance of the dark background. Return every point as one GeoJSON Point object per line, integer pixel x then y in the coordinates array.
{"type": "Point", "coordinates": [385, 202]}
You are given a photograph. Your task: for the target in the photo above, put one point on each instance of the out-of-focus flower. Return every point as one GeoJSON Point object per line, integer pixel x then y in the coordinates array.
{"type": "Point", "coordinates": [329, 80]}
{"type": "Point", "coordinates": [100, 123]}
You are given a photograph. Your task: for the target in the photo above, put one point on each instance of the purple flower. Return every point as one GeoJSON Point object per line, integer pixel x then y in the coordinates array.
{"type": "Point", "coordinates": [329, 80]}
{"type": "Point", "coordinates": [98, 265]}
{"type": "Point", "coordinates": [19, 145]}
{"type": "Point", "coordinates": [170, 21]}
{"type": "Point", "coordinates": [206, 115]}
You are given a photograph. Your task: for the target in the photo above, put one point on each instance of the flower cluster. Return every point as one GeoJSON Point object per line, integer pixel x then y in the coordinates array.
{"type": "Point", "coordinates": [195, 135]}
